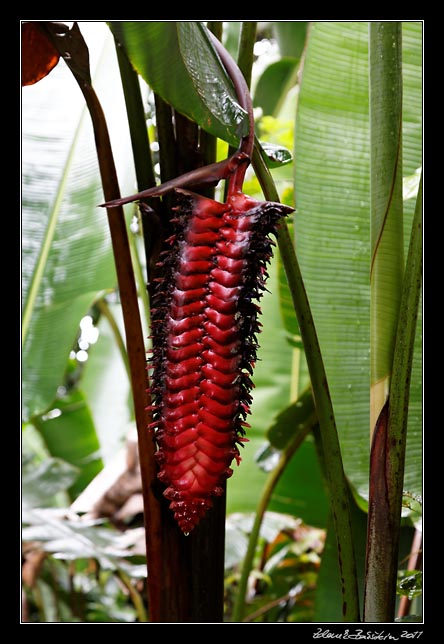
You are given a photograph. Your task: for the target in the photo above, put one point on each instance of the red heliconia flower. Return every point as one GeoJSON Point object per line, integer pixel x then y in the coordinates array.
{"type": "Point", "coordinates": [204, 323]}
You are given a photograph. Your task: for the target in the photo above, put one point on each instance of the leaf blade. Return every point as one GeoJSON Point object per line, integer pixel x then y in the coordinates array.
{"type": "Point", "coordinates": [332, 224]}
{"type": "Point", "coordinates": [66, 250]}
{"type": "Point", "coordinates": [178, 63]}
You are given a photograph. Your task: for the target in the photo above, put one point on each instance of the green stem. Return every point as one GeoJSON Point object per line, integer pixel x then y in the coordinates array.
{"type": "Point", "coordinates": [387, 245]}
{"type": "Point", "coordinates": [143, 165]}
{"type": "Point", "coordinates": [104, 309]}
{"type": "Point", "coordinates": [136, 120]}
{"type": "Point", "coordinates": [135, 596]}
{"type": "Point", "coordinates": [264, 500]}
{"type": "Point", "coordinates": [387, 464]}
{"type": "Point", "coordinates": [403, 355]}
{"type": "Point", "coordinates": [389, 376]}
{"type": "Point", "coordinates": [246, 46]}
{"type": "Point", "coordinates": [337, 484]}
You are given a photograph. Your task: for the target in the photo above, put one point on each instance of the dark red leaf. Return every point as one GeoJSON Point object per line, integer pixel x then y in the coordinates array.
{"type": "Point", "coordinates": [39, 56]}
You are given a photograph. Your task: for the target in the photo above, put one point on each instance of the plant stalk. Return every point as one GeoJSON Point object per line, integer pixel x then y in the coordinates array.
{"type": "Point", "coordinates": [393, 312]}
{"type": "Point", "coordinates": [104, 309]}
{"type": "Point", "coordinates": [337, 484]}
{"type": "Point", "coordinates": [387, 243]}
{"type": "Point", "coordinates": [389, 444]}
{"type": "Point", "coordinates": [246, 47]}
{"type": "Point", "coordinates": [136, 120]}
{"type": "Point", "coordinates": [135, 596]}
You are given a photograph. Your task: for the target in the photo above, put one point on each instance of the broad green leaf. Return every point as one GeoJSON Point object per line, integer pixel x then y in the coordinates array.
{"type": "Point", "coordinates": [66, 251]}
{"type": "Point", "coordinates": [69, 434]}
{"type": "Point", "coordinates": [178, 62]}
{"type": "Point", "coordinates": [410, 185]}
{"type": "Point", "coordinates": [301, 490]}
{"type": "Point", "coordinates": [333, 222]}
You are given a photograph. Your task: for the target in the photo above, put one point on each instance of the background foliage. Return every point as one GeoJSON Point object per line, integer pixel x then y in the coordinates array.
{"type": "Point", "coordinates": [77, 412]}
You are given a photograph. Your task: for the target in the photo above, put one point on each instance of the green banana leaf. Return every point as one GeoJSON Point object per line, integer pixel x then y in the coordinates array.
{"type": "Point", "coordinates": [178, 63]}
{"type": "Point", "coordinates": [333, 223]}
{"type": "Point", "coordinates": [70, 435]}
{"type": "Point", "coordinates": [67, 258]}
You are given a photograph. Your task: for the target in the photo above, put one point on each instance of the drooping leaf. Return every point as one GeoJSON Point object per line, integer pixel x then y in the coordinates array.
{"type": "Point", "coordinates": [39, 56]}
{"type": "Point", "coordinates": [300, 490]}
{"type": "Point", "coordinates": [274, 84]}
{"type": "Point", "coordinates": [40, 483]}
{"type": "Point", "coordinates": [300, 412]}
{"type": "Point", "coordinates": [276, 155]}
{"type": "Point", "coordinates": [72, 47]}
{"type": "Point", "coordinates": [67, 537]}
{"type": "Point", "coordinates": [66, 253]}
{"type": "Point", "coordinates": [178, 62]}
{"type": "Point", "coordinates": [290, 35]}
{"type": "Point", "coordinates": [69, 434]}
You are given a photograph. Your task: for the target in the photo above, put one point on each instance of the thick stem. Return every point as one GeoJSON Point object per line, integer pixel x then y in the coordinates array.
{"type": "Point", "coordinates": [387, 466]}
{"type": "Point", "coordinates": [246, 49]}
{"type": "Point", "coordinates": [394, 308]}
{"type": "Point", "coordinates": [386, 222]}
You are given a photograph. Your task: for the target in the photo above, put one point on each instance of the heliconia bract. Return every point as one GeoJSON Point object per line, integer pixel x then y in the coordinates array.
{"type": "Point", "coordinates": [204, 326]}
